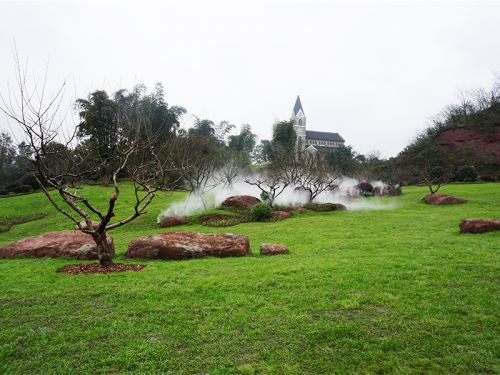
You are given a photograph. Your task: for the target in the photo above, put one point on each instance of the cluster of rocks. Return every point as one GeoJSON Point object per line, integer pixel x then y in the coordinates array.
{"type": "Point", "coordinates": [166, 246]}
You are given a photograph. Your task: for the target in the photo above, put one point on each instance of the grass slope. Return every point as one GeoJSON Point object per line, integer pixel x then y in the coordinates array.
{"type": "Point", "coordinates": [395, 291]}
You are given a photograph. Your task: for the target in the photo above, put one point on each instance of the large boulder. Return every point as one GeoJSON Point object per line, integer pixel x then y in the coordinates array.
{"type": "Point", "coordinates": [66, 243]}
{"type": "Point", "coordinates": [282, 214]}
{"type": "Point", "coordinates": [246, 201]}
{"type": "Point", "coordinates": [479, 225]}
{"type": "Point", "coordinates": [380, 191]}
{"type": "Point", "coordinates": [438, 199]}
{"type": "Point", "coordinates": [169, 221]}
{"type": "Point", "coordinates": [272, 249]}
{"type": "Point", "coordinates": [183, 245]}
{"type": "Point", "coordinates": [204, 218]}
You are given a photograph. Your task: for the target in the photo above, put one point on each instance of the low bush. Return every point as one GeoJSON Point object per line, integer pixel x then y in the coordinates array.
{"type": "Point", "coordinates": [436, 174]}
{"type": "Point", "coordinates": [221, 223]}
{"type": "Point", "coordinates": [261, 211]}
{"type": "Point", "coordinates": [4, 192]}
{"type": "Point", "coordinates": [325, 207]}
{"type": "Point", "coordinates": [280, 207]}
{"type": "Point", "coordinates": [464, 172]}
{"type": "Point", "coordinates": [468, 179]}
{"type": "Point", "coordinates": [436, 181]}
{"type": "Point", "coordinates": [488, 178]}
{"type": "Point", "coordinates": [22, 189]}
{"type": "Point", "coordinates": [30, 180]}
{"type": "Point", "coordinates": [7, 222]}
{"type": "Point", "coordinates": [11, 186]}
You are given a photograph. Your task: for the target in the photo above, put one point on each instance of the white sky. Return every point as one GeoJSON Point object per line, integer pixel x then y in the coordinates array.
{"type": "Point", "coordinates": [371, 71]}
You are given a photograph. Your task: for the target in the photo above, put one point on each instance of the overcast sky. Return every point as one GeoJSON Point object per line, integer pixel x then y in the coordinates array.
{"type": "Point", "coordinates": [371, 71]}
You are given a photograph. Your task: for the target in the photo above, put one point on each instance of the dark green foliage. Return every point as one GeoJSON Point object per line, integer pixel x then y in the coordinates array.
{"type": "Point", "coordinates": [29, 179]}
{"type": "Point", "coordinates": [280, 207]}
{"type": "Point", "coordinates": [465, 172]}
{"type": "Point", "coordinates": [468, 179]}
{"type": "Point", "coordinates": [7, 222]}
{"type": "Point", "coordinates": [261, 210]}
{"type": "Point", "coordinates": [264, 197]}
{"type": "Point", "coordinates": [488, 178]}
{"type": "Point", "coordinates": [4, 192]}
{"type": "Point", "coordinates": [11, 186]}
{"type": "Point", "coordinates": [175, 181]}
{"type": "Point", "coordinates": [436, 173]}
{"type": "Point", "coordinates": [435, 181]}
{"type": "Point", "coordinates": [244, 142]}
{"type": "Point", "coordinates": [325, 207]}
{"type": "Point", "coordinates": [343, 159]}
{"type": "Point", "coordinates": [22, 189]}
{"type": "Point", "coordinates": [221, 223]}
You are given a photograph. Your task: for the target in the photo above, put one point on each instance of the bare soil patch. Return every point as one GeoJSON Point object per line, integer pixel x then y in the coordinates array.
{"type": "Point", "coordinates": [96, 268]}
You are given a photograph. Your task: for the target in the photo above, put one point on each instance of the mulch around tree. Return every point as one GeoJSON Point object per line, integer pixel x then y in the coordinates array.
{"type": "Point", "coordinates": [96, 268]}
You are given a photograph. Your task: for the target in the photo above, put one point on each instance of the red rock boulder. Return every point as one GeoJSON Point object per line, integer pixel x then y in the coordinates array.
{"type": "Point", "coordinates": [204, 218]}
{"type": "Point", "coordinates": [272, 249]}
{"type": "Point", "coordinates": [184, 245]}
{"type": "Point", "coordinates": [381, 191]}
{"type": "Point", "coordinates": [297, 209]}
{"type": "Point", "coordinates": [438, 199]}
{"type": "Point", "coordinates": [479, 225]}
{"type": "Point", "coordinates": [246, 201]}
{"type": "Point", "coordinates": [66, 243]}
{"type": "Point", "coordinates": [281, 214]}
{"type": "Point", "coordinates": [169, 221]}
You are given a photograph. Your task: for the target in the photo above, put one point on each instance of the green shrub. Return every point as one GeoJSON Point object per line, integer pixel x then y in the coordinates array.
{"type": "Point", "coordinates": [465, 172]}
{"type": "Point", "coordinates": [261, 210]}
{"type": "Point", "coordinates": [436, 174]}
{"type": "Point", "coordinates": [22, 189]}
{"type": "Point", "coordinates": [30, 180]}
{"type": "Point", "coordinates": [221, 223]}
{"type": "Point", "coordinates": [325, 207]}
{"type": "Point", "coordinates": [436, 181]}
{"type": "Point", "coordinates": [4, 192]}
{"type": "Point", "coordinates": [280, 207]}
{"type": "Point", "coordinates": [468, 179]}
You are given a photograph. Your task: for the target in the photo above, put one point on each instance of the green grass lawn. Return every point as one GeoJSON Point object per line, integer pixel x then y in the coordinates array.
{"type": "Point", "coordinates": [396, 291]}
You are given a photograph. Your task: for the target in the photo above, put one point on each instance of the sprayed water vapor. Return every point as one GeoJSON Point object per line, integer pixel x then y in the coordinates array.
{"type": "Point", "coordinates": [193, 204]}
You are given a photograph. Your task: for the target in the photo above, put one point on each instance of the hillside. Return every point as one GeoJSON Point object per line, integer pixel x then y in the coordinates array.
{"type": "Point", "coordinates": [472, 140]}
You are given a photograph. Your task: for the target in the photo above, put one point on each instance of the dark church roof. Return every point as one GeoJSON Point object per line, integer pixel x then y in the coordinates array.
{"type": "Point", "coordinates": [324, 136]}
{"type": "Point", "coordinates": [298, 107]}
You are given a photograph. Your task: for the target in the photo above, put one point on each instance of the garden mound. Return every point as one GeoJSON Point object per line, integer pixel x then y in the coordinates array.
{"type": "Point", "coordinates": [438, 199]}
{"type": "Point", "coordinates": [66, 243]}
{"type": "Point", "coordinates": [185, 245]}
{"type": "Point", "coordinates": [96, 268]}
{"type": "Point", "coordinates": [246, 201]}
{"type": "Point", "coordinates": [325, 207]}
{"type": "Point", "coordinates": [479, 225]}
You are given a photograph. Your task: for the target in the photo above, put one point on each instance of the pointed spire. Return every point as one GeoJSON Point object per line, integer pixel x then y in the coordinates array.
{"type": "Point", "coordinates": [298, 107]}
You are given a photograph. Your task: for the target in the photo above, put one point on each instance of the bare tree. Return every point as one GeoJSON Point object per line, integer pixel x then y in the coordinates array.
{"type": "Point", "coordinates": [234, 165]}
{"type": "Point", "coordinates": [39, 117]}
{"type": "Point", "coordinates": [271, 181]}
{"type": "Point", "coordinates": [315, 175]}
{"type": "Point", "coordinates": [432, 177]}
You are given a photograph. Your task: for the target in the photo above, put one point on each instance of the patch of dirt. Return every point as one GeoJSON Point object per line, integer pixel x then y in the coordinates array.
{"type": "Point", "coordinates": [96, 268]}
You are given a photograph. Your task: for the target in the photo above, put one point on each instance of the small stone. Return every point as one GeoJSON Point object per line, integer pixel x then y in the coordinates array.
{"type": "Point", "coordinates": [169, 221]}
{"type": "Point", "coordinates": [281, 214]}
{"type": "Point", "coordinates": [296, 209]}
{"type": "Point", "coordinates": [272, 249]}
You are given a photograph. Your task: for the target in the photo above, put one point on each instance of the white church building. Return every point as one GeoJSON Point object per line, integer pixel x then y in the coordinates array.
{"type": "Point", "coordinates": [313, 140]}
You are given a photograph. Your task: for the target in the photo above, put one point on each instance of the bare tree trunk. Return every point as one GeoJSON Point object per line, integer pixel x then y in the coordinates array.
{"type": "Point", "coordinates": [103, 251]}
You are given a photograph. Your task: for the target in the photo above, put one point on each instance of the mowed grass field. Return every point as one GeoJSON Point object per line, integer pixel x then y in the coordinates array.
{"type": "Point", "coordinates": [395, 291]}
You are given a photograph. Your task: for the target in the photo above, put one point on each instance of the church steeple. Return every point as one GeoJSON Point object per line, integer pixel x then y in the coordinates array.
{"type": "Point", "coordinates": [298, 108]}
{"type": "Point", "coordinates": [299, 118]}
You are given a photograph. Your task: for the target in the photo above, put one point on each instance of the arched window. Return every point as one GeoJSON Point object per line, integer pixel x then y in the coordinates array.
{"type": "Point", "coordinates": [300, 122]}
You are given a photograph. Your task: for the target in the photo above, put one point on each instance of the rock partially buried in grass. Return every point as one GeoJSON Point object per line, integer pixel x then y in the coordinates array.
{"type": "Point", "coordinates": [204, 218]}
{"type": "Point", "coordinates": [296, 209]}
{"type": "Point", "coordinates": [66, 243]}
{"type": "Point", "coordinates": [281, 214]}
{"type": "Point", "coordinates": [438, 199]}
{"type": "Point", "coordinates": [185, 245]}
{"type": "Point", "coordinates": [169, 221]}
{"type": "Point", "coordinates": [246, 201]}
{"type": "Point", "coordinates": [479, 225]}
{"type": "Point", "coordinates": [273, 249]}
